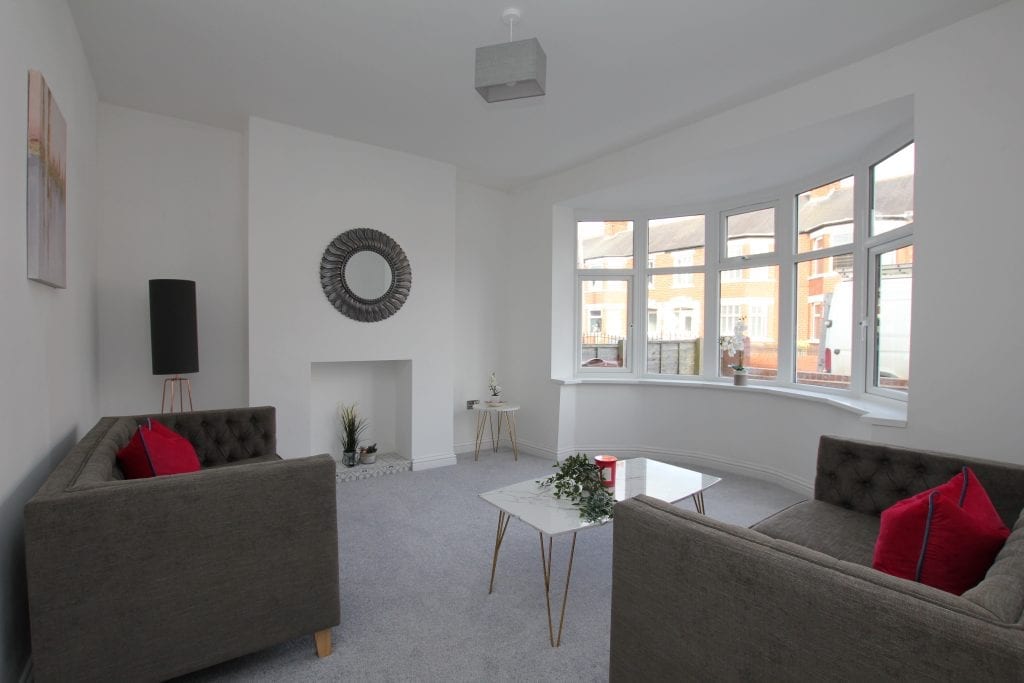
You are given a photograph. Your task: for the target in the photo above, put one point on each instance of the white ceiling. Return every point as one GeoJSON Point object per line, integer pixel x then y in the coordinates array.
{"type": "Point", "coordinates": [399, 73]}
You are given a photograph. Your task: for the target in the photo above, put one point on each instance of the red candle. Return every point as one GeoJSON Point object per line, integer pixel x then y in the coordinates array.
{"type": "Point", "coordinates": [606, 463]}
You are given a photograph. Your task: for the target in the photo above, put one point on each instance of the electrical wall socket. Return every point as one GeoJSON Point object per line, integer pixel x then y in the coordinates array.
{"type": "Point", "coordinates": [470, 404]}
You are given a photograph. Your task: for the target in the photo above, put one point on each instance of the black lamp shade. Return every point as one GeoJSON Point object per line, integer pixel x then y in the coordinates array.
{"type": "Point", "coordinates": [172, 326]}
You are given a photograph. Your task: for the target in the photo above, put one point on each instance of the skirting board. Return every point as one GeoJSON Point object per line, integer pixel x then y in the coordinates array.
{"type": "Point", "coordinates": [524, 447]}
{"type": "Point", "coordinates": [431, 461]}
{"type": "Point", "coordinates": [680, 458]}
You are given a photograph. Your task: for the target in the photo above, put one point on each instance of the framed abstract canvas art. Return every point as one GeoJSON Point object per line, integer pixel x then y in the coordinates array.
{"type": "Point", "coordinates": [47, 186]}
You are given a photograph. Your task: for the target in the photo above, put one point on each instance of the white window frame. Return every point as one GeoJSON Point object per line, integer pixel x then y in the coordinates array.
{"type": "Point", "coordinates": [607, 277]}
{"type": "Point", "coordinates": [871, 349]}
{"type": "Point", "coordinates": [785, 257]}
{"type": "Point", "coordinates": [682, 259]}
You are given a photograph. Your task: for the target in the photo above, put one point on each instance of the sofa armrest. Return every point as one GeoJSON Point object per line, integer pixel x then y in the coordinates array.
{"type": "Point", "coordinates": [869, 477]}
{"type": "Point", "coordinates": [147, 579]}
{"type": "Point", "coordinates": [693, 598]}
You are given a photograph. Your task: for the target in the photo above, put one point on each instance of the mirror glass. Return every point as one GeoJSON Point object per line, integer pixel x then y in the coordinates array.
{"type": "Point", "coordinates": [368, 274]}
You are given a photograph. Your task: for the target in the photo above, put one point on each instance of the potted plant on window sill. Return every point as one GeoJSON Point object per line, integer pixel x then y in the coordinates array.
{"type": "Point", "coordinates": [352, 427]}
{"type": "Point", "coordinates": [735, 346]}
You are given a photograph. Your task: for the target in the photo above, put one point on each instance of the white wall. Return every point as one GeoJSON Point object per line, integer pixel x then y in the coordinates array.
{"type": "Point", "coordinates": [48, 338]}
{"type": "Point", "coordinates": [304, 189]}
{"type": "Point", "coordinates": [968, 104]}
{"type": "Point", "coordinates": [481, 294]}
{"type": "Point", "coordinates": [172, 205]}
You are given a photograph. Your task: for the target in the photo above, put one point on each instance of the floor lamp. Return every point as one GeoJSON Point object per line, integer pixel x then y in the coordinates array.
{"type": "Point", "coordinates": [174, 337]}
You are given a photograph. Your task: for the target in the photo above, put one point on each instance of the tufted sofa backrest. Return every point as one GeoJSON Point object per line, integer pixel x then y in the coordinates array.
{"type": "Point", "coordinates": [869, 477]}
{"type": "Point", "coordinates": [224, 436]}
{"type": "Point", "coordinates": [219, 437]}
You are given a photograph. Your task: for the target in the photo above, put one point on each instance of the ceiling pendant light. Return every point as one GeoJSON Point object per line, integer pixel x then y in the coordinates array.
{"type": "Point", "coordinates": [512, 70]}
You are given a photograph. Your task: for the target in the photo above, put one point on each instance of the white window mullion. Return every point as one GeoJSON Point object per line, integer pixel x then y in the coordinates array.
{"type": "Point", "coordinates": [785, 232]}
{"type": "Point", "coordinates": [637, 337]}
{"type": "Point", "coordinates": [862, 327]}
{"type": "Point", "coordinates": [714, 231]}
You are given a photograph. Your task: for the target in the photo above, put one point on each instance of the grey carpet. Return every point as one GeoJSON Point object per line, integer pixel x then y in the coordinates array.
{"type": "Point", "coordinates": [415, 552]}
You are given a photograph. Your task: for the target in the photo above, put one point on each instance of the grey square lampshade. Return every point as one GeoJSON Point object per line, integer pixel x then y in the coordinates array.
{"type": "Point", "coordinates": [509, 71]}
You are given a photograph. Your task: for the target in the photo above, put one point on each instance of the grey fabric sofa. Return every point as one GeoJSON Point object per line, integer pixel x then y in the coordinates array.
{"type": "Point", "coordinates": [146, 579]}
{"type": "Point", "coordinates": [795, 597]}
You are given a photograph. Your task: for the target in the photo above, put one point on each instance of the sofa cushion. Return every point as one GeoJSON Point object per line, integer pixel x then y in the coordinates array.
{"type": "Point", "coordinates": [870, 477]}
{"type": "Point", "coordinates": [272, 457]}
{"type": "Point", "coordinates": [156, 450]}
{"type": "Point", "coordinates": [840, 533]}
{"type": "Point", "coordinates": [224, 436]}
{"type": "Point", "coordinates": [946, 537]}
{"type": "Point", "coordinates": [1001, 592]}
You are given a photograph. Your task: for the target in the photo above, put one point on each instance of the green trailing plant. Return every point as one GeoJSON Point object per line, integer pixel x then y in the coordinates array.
{"type": "Point", "coordinates": [579, 481]}
{"type": "Point", "coordinates": [352, 426]}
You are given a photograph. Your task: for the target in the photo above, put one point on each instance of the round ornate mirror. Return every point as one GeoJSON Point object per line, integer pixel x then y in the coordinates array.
{"type": "Point", "coordinates": [365, 274]}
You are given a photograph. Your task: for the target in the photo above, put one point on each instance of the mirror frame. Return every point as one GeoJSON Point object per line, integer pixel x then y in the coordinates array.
{"type": "Point", "coordinates": [332, 275]}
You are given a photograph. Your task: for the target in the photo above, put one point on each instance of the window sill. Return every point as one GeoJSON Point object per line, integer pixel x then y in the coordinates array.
{"type": "Point", "coordinates": [873, 410]}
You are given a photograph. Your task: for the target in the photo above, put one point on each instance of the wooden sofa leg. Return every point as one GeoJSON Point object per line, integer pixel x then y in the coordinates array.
{"type": "Point", "coordinates": [323, 642]}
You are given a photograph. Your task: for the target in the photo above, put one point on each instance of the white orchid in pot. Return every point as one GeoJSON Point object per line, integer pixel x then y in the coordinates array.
{"type": "Point", "coordinates": [736, 346]}
{"type": "Point", "coordinates": [495, 389]}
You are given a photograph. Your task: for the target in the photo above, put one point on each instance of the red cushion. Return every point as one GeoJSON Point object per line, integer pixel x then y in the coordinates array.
{"type": "Point", "coordinates": [155, 450]}
{"type": "Point", "coordinates": [946, 537]}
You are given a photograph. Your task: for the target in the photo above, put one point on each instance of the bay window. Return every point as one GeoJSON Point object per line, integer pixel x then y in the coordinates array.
{"type": "Point", "coordinates": [821, 275]}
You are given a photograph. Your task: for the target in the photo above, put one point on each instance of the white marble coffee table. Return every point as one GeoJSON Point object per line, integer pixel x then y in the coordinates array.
{"type": "Point", "coordinates": [537, 506]}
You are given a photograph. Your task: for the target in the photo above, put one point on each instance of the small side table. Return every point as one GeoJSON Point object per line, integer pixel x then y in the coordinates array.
{"type": "Point", "coordinates": [506, 414]}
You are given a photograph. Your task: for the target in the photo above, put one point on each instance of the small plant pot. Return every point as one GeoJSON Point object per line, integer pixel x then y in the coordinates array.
{"type": "Point", "coordinates": [739, 378]}
{"type": "Point", "coordinates": [494, 401]}
{"type": "Point", "coordinates": [368, 458]}
{"type": "Point", "coordinates": [349, 458]}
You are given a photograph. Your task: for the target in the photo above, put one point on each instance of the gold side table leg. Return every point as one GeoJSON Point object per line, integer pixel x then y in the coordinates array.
{"type": "Point", "coordinates": [490, 422]}
{"type": "Point", "coordinates": [503, 520]}
{"type": "Point", "coordinates": [501, 426]}
{"type": "Point", "coordinates": [546, 562]}
{"type": "Point", "coordinates": [510, 417]}
{"type": "Point", "coordinates": [481, 422]}
{"type": "Point", "coordinates": [698, 501]}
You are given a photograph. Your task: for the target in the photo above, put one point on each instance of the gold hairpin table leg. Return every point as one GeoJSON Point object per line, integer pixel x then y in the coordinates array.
{"type": "Point", "coordinates": [546, 562]}
{"type": "Point", "coordinates": [503, 520]}
{"type": "Point", "coordinates": [481, 423]}
{"type": "Point", "coordinates": [698, 501]}
{"type": "Point", "coordinates": [510, 418]}
{"type": "Point", "coordinates": [490, 423]}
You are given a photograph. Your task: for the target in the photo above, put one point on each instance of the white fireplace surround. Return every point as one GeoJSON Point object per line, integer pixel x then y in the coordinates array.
{"type": "Point", "coordinates": [382, 390]}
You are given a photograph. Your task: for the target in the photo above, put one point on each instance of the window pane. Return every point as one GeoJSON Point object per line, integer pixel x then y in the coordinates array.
{"type": "Point", "coordinates": [825, 216]}
{"type": "Point", "coordinates": [824, 315]}
{"type": "Point", "coordinates": [755, 301]}
{"type": "Point", "coordinates": [674, 341]}
{"type": "Point", "coordinates": [604, 306]}
{"type": "Point", "coordinates": [892, 328]}
{"type": "Point", "coordinates": [892, 191]}
{"type": "Point", "coordinates": [604, 244]}
{"type": "Point", "coordinates": [676, 241]}
{"type": "Point", "coordinates": [749, 233]}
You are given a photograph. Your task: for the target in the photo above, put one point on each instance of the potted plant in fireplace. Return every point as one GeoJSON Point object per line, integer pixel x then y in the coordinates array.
{"type": "Point", "coordinates": [352, 428]}
{"type": "Point", "coordinates": [368, 454]}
